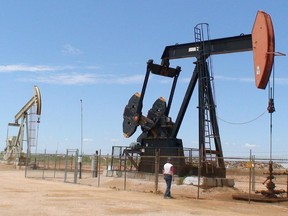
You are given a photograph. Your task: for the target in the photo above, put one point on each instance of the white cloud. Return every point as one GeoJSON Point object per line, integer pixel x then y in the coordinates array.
{"type": "Point", "coordinates": [83, 78]}
{"type": "Point", "coordinates": [88, 140]}
{"type": "Point", "coordinates": [128, 79]}
{"type": "Point", "coordinates": [56, 75]}
{"type": "Point", "coordinates": [281, 81]}
{"type": "Point", "coordinates": [92, 67]}
{"type": "Point", "coordinates": [114, 141]}
{"type": "Point", "coordinates": [248, 145]}
{"type": "Point", "coordinates": [64, 79]}
{"type": "Point", "coordinates": [31, 68]}
{"type": "Point", "coordinates": [239, 79]}
{"type": "Point", "coordinates": [69, 50]}
{"type": "Point", "coordinates": [76, 78]}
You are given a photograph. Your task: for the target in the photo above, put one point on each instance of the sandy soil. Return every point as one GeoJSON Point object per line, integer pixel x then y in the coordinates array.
{"type": "Point", "coordinates": [35, 196]}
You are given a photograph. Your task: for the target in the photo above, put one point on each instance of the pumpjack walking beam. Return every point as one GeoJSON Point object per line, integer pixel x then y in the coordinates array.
{"type": "Point", "coordinates": [261, 41]}
{"type": "Point", "coordinates": [240, 43]}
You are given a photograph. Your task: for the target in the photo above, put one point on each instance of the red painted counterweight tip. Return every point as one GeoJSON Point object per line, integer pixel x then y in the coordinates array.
{"type": "Point", "coordinates": [263, 48]}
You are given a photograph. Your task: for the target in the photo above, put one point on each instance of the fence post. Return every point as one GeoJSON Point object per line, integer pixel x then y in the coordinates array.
{"type": "Point", "coordinates": [156, 169]}
{"type": "Point", "coordinates": [250, 175]}
{"type": "Point", "coordinates": [55, 163]}
{"type": "Point", "coordinates": [26, 161]}
{"type": "Point", "coordinates": [99, 167]}
{"type": "Point", "coordinates": [253, 173]}
{"type": "Point", "coordinates": [76, 166]}
{"type": "Point", "coordinates": [94, 164]}
{"type": "Point", "coordinates": [44, 164]}
{"type": "Point", "coordinates": [66, 163]}
{"type": "Point", "coordinates": [199, 172]}
{"type": "Point", "coordinates": [125, 176]}
{"type": "Point", "coordinates": [287, 185]}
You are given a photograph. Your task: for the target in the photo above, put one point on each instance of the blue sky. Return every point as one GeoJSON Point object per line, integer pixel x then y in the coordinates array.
{"type": "Point", "coordinates": [96, 50]}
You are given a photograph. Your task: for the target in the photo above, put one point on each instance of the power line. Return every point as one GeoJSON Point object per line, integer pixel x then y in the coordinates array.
{"type": "Point", "coordinates": [242, 123]}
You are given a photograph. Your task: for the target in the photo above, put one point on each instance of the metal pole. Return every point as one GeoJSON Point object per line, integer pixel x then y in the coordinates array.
{"type": "Point", "coordinates": [96, 161]}
{"type": "Point", "coordinates": [28, 147]}
{"type": "Point", "coordinates": [253, 173]}
{"type": "Point", "coordinates": [199, 172]}
{"type": "Point", "coordinates": [76, 167]}
{"type": "Point", "coordinates": [66, 164]}
{"type": "Point", "coordinates": [81, 152]}
{"type": "Point", "coordinates": [270, 136]}
{"type": "Point", "coordinates": [99, 167]}
{"type": "Point", "coordinates": [249, 198]}
{"type": "Point", "coordinates": [44, 164]}
{"type": "Point", "coordinates": [157, 160]}
{"type": "Point", "coordinates": [107, 164]}
{"type": "Point", "coordinates": [55, 163]}
{"type": "Point", "coordinates": [287, 186]}
{"type": "Point", "coordinates": [125, 174]}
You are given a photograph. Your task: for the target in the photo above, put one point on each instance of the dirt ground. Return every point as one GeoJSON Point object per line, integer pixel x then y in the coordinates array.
{"type": "Point", "coordinates": [35, 196]}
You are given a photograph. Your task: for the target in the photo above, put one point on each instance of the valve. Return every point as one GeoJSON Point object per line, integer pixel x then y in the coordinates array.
{"type": "Point", "coordinates": [271, 107]}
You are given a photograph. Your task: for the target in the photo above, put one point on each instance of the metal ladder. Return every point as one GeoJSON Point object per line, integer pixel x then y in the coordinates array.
{"type": "Point", "coordinates": [209, 136]}
{"type": "Point", "coordinates": [209, 154]}
{"type": "Point", "coordinates": [198, 34]}
{"type": "Point", "coordinates": [32, 128]}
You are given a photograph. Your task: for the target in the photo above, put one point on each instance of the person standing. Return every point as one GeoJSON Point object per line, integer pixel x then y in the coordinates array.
{"type": "Point", "coordinates": [168, 172]}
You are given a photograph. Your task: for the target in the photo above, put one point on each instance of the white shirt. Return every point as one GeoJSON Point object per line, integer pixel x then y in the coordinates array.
{"type": "Point", "coordinates": [168, 169]}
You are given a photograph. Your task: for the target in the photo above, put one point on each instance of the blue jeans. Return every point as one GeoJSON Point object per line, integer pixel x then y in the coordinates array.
{"type": "Point", "coordinates": [168, 179]}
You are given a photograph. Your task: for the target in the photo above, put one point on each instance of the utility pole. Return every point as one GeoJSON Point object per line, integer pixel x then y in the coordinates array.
{"type": "Point", "coordinates": [81, 151]}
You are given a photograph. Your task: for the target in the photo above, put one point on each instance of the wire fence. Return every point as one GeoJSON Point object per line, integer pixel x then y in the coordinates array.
{"type": "Point", "coordinates": [97, 170]}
